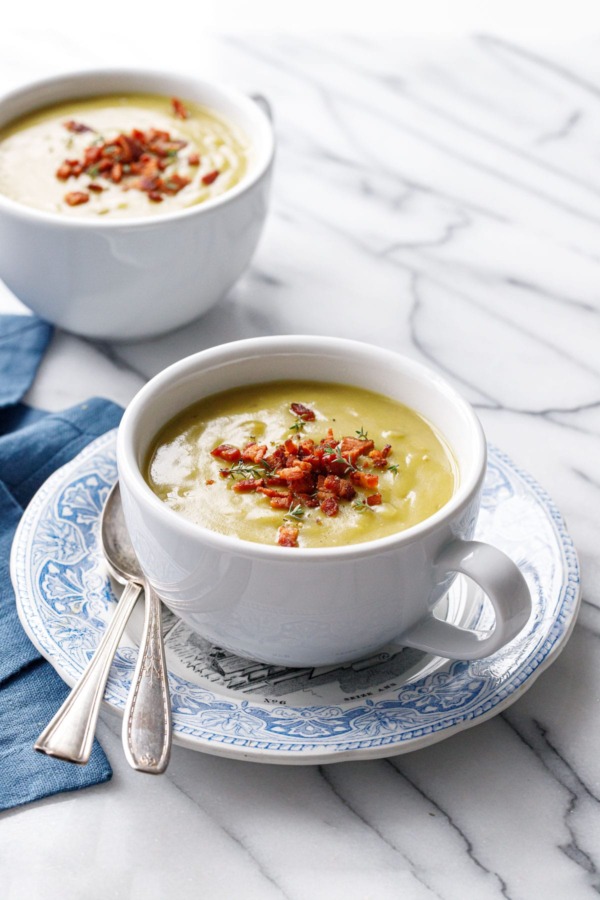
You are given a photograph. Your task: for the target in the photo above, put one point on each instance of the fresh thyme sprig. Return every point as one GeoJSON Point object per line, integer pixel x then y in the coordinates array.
{"type": "Point", "coordinates": [361, 505]}
{"type": "Point", "coordinates": [297, 426]}
{"type": "Point", "coordinates": [242, 469]}
{"type": "Point", "coordinates": [362, 434]}
{"type": "Point", "coordinates": [393, 469]}
{"type": "Point", "coordinates": [295, 513]}
{"type": "Point", "coordinates": [339, 457]}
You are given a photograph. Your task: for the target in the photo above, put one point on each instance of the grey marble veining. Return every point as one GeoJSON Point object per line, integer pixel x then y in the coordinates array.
{"type": "Point", "coordinates": [440, 198]}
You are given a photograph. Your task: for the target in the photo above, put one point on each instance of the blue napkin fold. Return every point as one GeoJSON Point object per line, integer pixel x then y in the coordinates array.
{"type": "Point", "coordinates": [23, 340]}
{"type": "Point", "coordinates": [33, 444]}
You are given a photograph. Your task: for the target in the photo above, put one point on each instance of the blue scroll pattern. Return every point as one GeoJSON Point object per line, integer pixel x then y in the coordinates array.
{"type": "Point", "coordinates": [65, 598]}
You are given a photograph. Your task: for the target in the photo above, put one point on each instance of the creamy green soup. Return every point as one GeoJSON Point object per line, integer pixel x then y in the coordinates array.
{"type": "Point", "coordinates": [405, 474]}
{"type": "Point", "coordinates": [120, 156]}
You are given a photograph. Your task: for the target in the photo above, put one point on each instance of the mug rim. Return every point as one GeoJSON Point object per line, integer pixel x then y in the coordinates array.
{"type": "Point", "coordinates": [131, 475]}
{"type": "Point", "coordinates": [96, 77]}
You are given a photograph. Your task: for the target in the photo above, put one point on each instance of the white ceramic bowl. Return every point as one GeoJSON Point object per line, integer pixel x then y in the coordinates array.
{"type": "Point", "coordinates": [318, 606]}
{"type": "Point", "coordinates": [134, 278]}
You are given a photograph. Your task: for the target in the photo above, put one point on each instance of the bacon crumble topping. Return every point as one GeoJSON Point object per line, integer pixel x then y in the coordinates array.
{"type": "Point", "coordinates": [301, 473]}
{"type": "Point", "coordinates": [137, 160]}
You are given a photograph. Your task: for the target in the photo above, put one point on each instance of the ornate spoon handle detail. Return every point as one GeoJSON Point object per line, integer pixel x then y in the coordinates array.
{"type": "Point", "coordinates": [70, 734]}
{"type": "Point", "coordinates": [147, 720]}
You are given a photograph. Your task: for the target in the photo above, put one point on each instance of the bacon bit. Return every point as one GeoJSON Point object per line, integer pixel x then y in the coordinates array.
{"type": "Point", "coordinates": [245, 487]}
{"type": "Point", "coordinates": [155, 196]}
{"type": "Point", "coordinates": [351, 448]}
{"type": "Point", "coordinates": [174, 183]}
{"type": "Point", "coordinates": [306, 499]}
{"type": "Point", "coordinates": [163, 148]}
{"type": "Point", "coordinates": [76, 198]}
{"type": "Point", "coordinates": [179, 109]}
{"type": "Point", "coordinates": [281, 502]}
{"type": "Point", "coordinates": [303, 486]}
{"type": "Point", "coordinates": [76, 127]}
{"type": "Point", "coordinates": [292, 474]}
{"type": "Point", "coordinates": [271, 492]}
{"type": "Point", "coordinates": [336, 466]}
{"type": "Point", "coordinates": [291, 447]}
{"type": "Point", "coordinates": [227, 452]}
{"type": "Point", "coordinates": [341, 487]}
{"type": "Point", "coordinates": [276, 482]}
{"type": "Point", "coordinates": [210, 481]}
{"type": "Point", "coordinates": [374, 500]}
{"type": "Point", "coordinates": [364, 479]}
{"type": "Point", "coordinates": [254, 452]}
{"type": "Point", "coordinates": [210, 177]}
{"type": "Point", "coordinates": [116, 173]}
{"type": "Point", "coordinates": [63, 172]}
{"type": "Point", "coordinates": [149, 183]}
{"type": "Point", "coordinates": [330, 506]}
{"type": "Point", "coordinates": [95, 188]}
{"type": "Point", "coordinates": [379, 457]}
{"type": "Point", "coordinates": [303, 412]}
{"type": "Point", "coordinates": [287, 536]}
{"type": "Point", "coordinates": [92, 155]}
{"type": "Point", "coordinates": [194, 159]}
{"type": "Point", "coordinates": [132, 148]}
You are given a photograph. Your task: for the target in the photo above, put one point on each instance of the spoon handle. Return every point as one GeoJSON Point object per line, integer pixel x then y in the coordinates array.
{"type": "Point", "coordinates": [70, 734]}
{"type": "Point", "coordinates": [147, 719]}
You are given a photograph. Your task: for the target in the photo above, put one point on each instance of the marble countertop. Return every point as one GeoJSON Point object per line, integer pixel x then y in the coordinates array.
{"type": "Point", "coordinates": [442, 199]}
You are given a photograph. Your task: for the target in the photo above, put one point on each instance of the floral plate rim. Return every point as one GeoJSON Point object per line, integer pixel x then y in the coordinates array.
{"type": "Point", "coordinates": [304, 750]}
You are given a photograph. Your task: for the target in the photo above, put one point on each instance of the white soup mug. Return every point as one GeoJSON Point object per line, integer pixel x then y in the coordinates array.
{"type": "Point", "coordinates": [318, 606]}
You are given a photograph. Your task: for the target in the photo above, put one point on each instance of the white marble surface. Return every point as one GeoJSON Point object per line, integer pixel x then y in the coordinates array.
{"type": "Point", "coordinates": [441, 198]}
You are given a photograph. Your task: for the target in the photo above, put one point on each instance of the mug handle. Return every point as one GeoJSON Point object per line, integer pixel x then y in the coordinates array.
{"type": "Point", "coordinates": [503, 583]}
{"type": "Point", "coordinates": [262, 102]}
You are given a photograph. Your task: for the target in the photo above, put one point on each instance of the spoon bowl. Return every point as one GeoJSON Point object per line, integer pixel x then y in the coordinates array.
{"type": "Point", "coordinates": [119, 554]}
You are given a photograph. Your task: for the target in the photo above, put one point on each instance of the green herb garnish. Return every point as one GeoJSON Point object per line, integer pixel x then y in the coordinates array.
{"type": "Point", "coordinates": [242, 469]}
{"type": "Point", "coordinates": [338, 457]}
{"type": "Point", "coordinates": [295, 513]}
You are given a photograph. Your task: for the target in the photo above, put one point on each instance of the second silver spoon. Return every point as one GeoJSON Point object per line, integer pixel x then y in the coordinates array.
{"type": "Point", "coordinates": [147, 722]}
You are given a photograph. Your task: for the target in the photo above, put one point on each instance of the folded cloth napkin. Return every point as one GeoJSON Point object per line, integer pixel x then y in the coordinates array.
{"type": "Point", "coordinates": [33, 444]}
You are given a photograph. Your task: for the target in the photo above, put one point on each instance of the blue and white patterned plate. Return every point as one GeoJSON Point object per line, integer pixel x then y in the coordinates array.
{"type": "Point", "coordinates": [396, 701]}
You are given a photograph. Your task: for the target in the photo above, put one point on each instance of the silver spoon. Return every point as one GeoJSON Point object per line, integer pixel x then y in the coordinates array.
{"type": "Point", "coordinates": [70, 734]}
{"type": "Point", "coordinates": [147, 726]}
{"type": "Point", "coordinates": [147, 720]}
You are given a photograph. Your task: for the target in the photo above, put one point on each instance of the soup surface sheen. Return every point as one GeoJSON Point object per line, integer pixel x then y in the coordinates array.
{"type": "Point", "coordinates": [414, 479]}
{"type": "Point", "coordinates": [35, 148]}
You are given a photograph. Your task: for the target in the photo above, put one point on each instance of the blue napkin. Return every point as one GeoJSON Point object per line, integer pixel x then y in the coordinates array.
{"type": "Point", "coordinates": [32, 445]}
